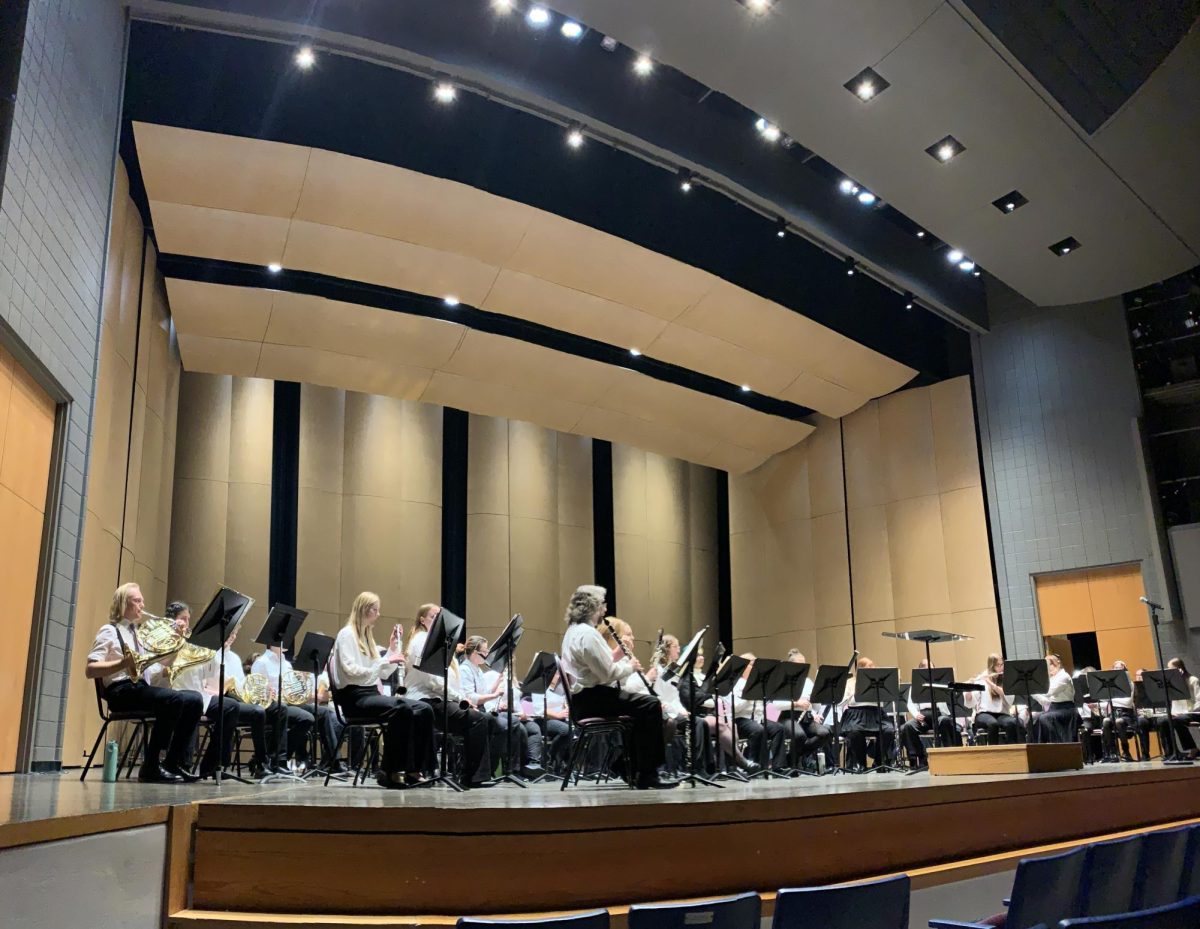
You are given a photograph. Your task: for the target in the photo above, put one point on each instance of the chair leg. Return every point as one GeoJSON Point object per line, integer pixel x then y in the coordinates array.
{"type": "Point", "coordinates": [573, 760]}
{"type": "Point", "coordinates": [92, 754]}
{"type": "Point", "coordinates": [132, 749]}
{"type": "Point", "coordinates": [336, 752]}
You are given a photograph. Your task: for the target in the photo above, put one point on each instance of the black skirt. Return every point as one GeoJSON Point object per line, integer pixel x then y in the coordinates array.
{"type": "Point", "coordinates": [1059, 723]}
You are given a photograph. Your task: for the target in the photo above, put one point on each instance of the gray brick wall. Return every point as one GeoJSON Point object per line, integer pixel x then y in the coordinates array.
{"type": "Point", "coordinates": [53, 230]}
{"type": "Point", "coordinates": [1057, 405]}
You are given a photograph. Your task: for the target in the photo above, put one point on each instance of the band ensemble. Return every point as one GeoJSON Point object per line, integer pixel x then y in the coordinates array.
{"type": "Point", "coordinates": [671, 727]}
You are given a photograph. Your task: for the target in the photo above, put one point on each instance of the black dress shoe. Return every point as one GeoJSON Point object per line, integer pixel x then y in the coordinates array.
{"type": "Point", "coordinates": [183, 773]}
{"type": "Point", "coordinates": [157, 774]}
{"type": "Point", "coordinates": [337, 768]}
{"type": "Point", "coordinates": [655, 783]}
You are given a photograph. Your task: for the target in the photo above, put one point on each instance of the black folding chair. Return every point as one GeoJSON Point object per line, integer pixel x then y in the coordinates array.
{"type": "Point", "coordinates": [139, 719]}
{"type": "Point", "coordinates": [616, 732]}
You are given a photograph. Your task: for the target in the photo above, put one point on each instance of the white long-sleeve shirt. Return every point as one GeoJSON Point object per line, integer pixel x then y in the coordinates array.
{"type": "Point", "coordinates": [267, 664]}
{"type": "Point", "coordinates": [589, 659]}
{"type": "Point", "coordinates": [1062, 690]}
{"type": "Point", "coordinates": [198, 678]}
{"type": "Point", "coordinates": [666, 691]}
{"type": "Point", "coordinates": [557, 701]}
{"type": "Point", "coordinates": [986, 703]}
{"type": "Point", "coordinates": [423, 685]}
{"type": "Point", "coordinates": [349, 667]}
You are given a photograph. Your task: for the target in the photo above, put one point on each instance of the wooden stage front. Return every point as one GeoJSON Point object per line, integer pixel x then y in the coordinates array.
{"type": "Point", "coordinates": [339, 851]}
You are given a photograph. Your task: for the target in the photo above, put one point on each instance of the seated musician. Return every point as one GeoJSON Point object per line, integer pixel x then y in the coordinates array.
{"type": "Point", "coordinates": [764, 737]}
{"type": "Point", "coordinates": [1090, 724]}
{"type": "Point", "coordinates": [235, 688]}
{"type": "Point", "coordinates": [1183, 712]}
{"type": "Point", "coordinates": [1058, 721]}
{"type": "Point", "coordinates": [597, 672]}
{"type": "Point", "coordinates": [301, 718]}
{"type": "Point", "coordinates": [1145, 714]}
{"type": "Point", "coordinates": [487, 689]}
{"type": "Point", "coordinates": [920, 721]}
{"type": "Point", "coordinates": [1121, 724]}
{"type": "Point", "coordinates": [675, 715]}
{"type": "Point", "coordinates": [551, 709]}
{"type": "Point", "coordinates": [993, 708]}
{"type": "Point", "coordinates": [862, 719]}
{"type": "Point", "coordinates": [812, 735]}
{"type": "Point", "coordinates": [428, 684]}
{"type": "Point", "coordinates": [355, 670]}
{"type": "Point", "coordinates": [113, 660]}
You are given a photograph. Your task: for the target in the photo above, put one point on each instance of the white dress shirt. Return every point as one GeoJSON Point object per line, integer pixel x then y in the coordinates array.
{"type": "Point", "coordinates": [423, 685]}
{"type": "Point", "coordinates": [107, 647]}
{"type": "Point", "coordinates": [267, 664]}
{"type": "Point", "coordinates": [986, 703]}
{"type": "Point", "coordinates": [200, 679]}
{"type": "Point", "coordinates": [743, 708]}
{"type": "Point", "coordinates": [478, 680]}
{"type": "Point", "coordinates": [1181, 707]}
{"type": "Point", "coordinates": [558, 702]}
{"type": "Point", "coordinates": [349, 667]}
{"type": "Point", "coordinates": [805, 694]}
{"type": "Point", "coordinates": [1062, 690]}
{"type": "Point", "coordinates": [589, 659]}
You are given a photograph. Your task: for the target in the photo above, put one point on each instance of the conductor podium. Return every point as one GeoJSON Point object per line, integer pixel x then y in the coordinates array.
{"type": "Point", "coordinates": [1006, 759]}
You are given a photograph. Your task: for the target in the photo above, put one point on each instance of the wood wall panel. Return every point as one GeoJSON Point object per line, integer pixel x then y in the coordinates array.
{"type": "Point", "coordinates": [955, 444]}
{"type": "Point", "coordinates": [918, 556]}
{"type": "Point", "coordinates": [825, 470]}
{"type": "Point", "coordinates": [865, 477]}
{"type": "Point", "coordinates": [831, 575]}
{"type": "Point", "coordinates": [906, 443]}
{"type": "Point", "coordinates": [1064, 603]}
{"type": "Point", "coordinates": [968, 558]}
{"type": "Point", "coordinates": [1115, 594]}
{"type": "Point", "coordinates": [870, 556]}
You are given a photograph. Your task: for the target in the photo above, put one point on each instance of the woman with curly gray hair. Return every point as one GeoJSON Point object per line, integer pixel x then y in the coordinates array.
{"type": "Point", "coordinates": [596, 673]}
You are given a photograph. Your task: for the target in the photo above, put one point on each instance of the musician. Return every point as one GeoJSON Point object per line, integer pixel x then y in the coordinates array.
{"type": "Point", "coordinates": [675, 714]}
{"type": "Point", "coordinates": [356, 669]}
{"type": "Point", "coordinates": [1121, 724]}
{"type": "Point", "coordinates": [1058, 721]}
{"type": "Point", "coordinates": [427, 685]}
{"type": "Point", "coordinates": [993, 708]}
{"type": "Point", "coordinates": [1145, 715]}
{"type": "Point", "coordinates": [301, 718]}
{"type": "Point", "coordinates": [250, 714]}
{"type": "Point", "coordinates": [597, 673]}
{"type": "Point", "coordinates": [551, 708]}
{"type": "Point", "coordinates": [487, 689]}
{"type": "Point", "coordinates": [813, 736]}
{"type": "Point", "coordinates": [112, 660]}
{"type": "Point", "coordinates": [920, 721]}
{"type": "Point", "coordinates": [861, 719]}
{"type": "Point", "coordinates": [1090, 723]}
{"type": "Point", "coordinates": [751, 721]}
{"type": "Point", "coordinates": [1182, 713]}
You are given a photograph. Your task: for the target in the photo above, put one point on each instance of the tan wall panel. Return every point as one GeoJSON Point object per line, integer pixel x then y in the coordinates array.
{"type": "Point", "coordinates": [198, 538]}
{"type": "Point", "coordinates": [789, 601]}
{"type": "Point", "coordinates": [872, 575]}
{"type": "Point", "coordinates": [152, 477]}
{"type": "Point", "coordinates": [574, 463]}
{"type": "Point", "coordinates": [873, 643]}
{"type": "Point", "coordinates": [703, 596]}
{"type": "Point", "coordinates": [1134, 646]}
{"type": "Point", "coordinates": [955, 445]}
{"type": "Point", "coordinates": [487, 466]}
{"type": "Point", "coordinates": [319, 550]}
{"type": "Point", "coordinates": [124, 319]}
{"type": "Point", "coordinates": [918, 558]}
{"type": "Point", "coordinates": [629, 489]}
{"type": "Point", "coordinates": [633, 576]}
{"type": "Point", "coordinates": [749, 584]}
{"type": "Point", "coordinates": [1115, 595]}
{"type": "Point", "coordinates": [968, 558]}
{"type": "Point", "coordinates": [1064, 603]}
{"type": "Point", "coordinates": [906, 441]}
{"type": "Point", "coordinates": [251, 427]}
{"type": "Point", "coordinates": [825, 469]}
{"type": "Point", "coordinates": [865, 485]}
{"type": "Point", "coordinates": [746, 510]}
{"type": "Point", "coordinates": [322, 437]}
{"type": "Point", "coordinates": [533, 556]}
{"type": "Point", "coordinates": [329, 623]}
{"type": "Point", "coordinates": [834, 645]}
{"type": "Point", "coordinates": [909, 654]}
{"type": "Point", "coordinates": [391, 547]}
{"type": "Point", "coordinates": [576, 564]}
{"type": "Point", "coordinates": [784, 492]}
{"type": "Point", "coordinates": [393, 448]}
{"type": "Point", "coordinates": [702, 507]}
{"type": "Point", "coordinates": [110, 432]}
{"type": "Point", "coordinates": [830, 570]}
{"type": "Point", "coordinates": [667, 498]}
{"type": "Point", "coordinates": [970, 657]}
{"type": "Point", "coordinates": [532, 472]}
{"type": "Point", "coordinates": [247, 541]}
{"type": "Point", "coordinates": [670, 588]}
{"type": "Point", "coordinates": [133, 480]}
{"type": "Point", "coordinates": [487, 565]}
{"type": "Point", "coordinates": [205, 409]}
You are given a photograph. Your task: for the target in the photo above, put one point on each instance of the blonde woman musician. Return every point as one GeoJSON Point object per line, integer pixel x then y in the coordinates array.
{"type": "Point", "coordinates": [993, 708]}
{"type": "Point", "coordinates": [1183, 712]}
{"type": "Point", "coordinates": [355, 669]}
{"type": "Point", "coordinates": [113, 661]}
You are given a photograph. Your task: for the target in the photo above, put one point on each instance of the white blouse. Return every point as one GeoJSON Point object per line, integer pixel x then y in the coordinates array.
{"type": "Point", "coordinates": [589, 659]}
{"type": "Point", "coordinates": [423, 685]}
{"type": "Point", "coordinates": [349, 667]}
{"type": "Point", "coordinates": [986, 703]}
{"type": "Point", "coordinates": [1062, 690]}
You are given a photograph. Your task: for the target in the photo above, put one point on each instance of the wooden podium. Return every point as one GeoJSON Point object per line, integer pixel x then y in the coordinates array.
{"type": "Point", "coordinates": [1006, 759]}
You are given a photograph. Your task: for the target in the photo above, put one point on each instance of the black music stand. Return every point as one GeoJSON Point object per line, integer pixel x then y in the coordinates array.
{"type": "Point", "coordinates": [879, 686]}
{"type": "Point", "coordinates": [1164, 682]}
{"type": "Point", "coordinates": [1163, 686]}
{"type": "Point", "coordinates": [445, 634]}
{"type": "Point", "coordinates": [500, 658]}
{"type": "Point", "coordinates": [930, 637]}
{"type": "Point", "coordinates": [787, 684]}
{"type": "Point", "coordinates": [757, 689]}
{"type": "Point", "coordinates": [723, 681]}
{"type": "Point", "coordinates": [686, 671]}
{"type": "Point", "coordinates": [313, 655]}
{"type": "Point", "coordinates": [929, 687]}
{"type": "Point", "coordinates": [219, 621]}
{"type": "Point", "coordinates": [1110, 685]}
{"type": "Point", "coordinates": [829, 689]}
{"type": "Point", "coordinates": [281, 626]}
{"type": "Point", "coordinates": [537, 681]}
{"type": "Point", "coordinates": [1024, 677]}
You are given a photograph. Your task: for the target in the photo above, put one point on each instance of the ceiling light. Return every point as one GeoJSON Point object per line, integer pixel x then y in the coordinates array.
{"type": "Point", "coordinates": [1066, 246]}
{"type": "Point", "coordinates": [866, 198]}
{"type": "Point", "coordinates": [538, 17]}
{"type": "Point", "coordinates": [444, 92]}
{"type": "Point", "coordinates": [975, 273]}
{"type": "Point", "coordinates": [609, 44]}
{"type": "Point", "coordinates": [781, 228]}
{"type": "Point", "coordinates": [908, 300]}
{"type": "Point", "coordinates": [571, 29]}
{"type": "Point", "coordinates": [851, 265]}
{"type": "Point", "coordinates": [502, 6]}
{"type": "Point", "coordinates": [450, 301]}
{"type": "Point", "coordinates": [867, 84]}
{"type": "Point", "coordinates": [758, 6]}
{"type": "Point", "coordinates": [966, 265]}
{"type": "Point", "coordinates": [685, 180]}
{"type": "Point", "coordinates": [643, 65]}
{"type": "Point", "coordinates": [1010, 202]}
{"type": "Point", "coordinates": [945, 149]}
{"type": "Point", "coordinates": [920, 233]}
{"type": "Point", "coordinates": [746, 387]}
{"type": "Point", "coordinates": [954, 256]}
{"type": "Point", "coordinates": [847, 186]}
{"type": "Point", "coordinates": [305, 57]}
{"type": "Point", "coordinates": [768, 131]}
{"type": "Point", "coordinates": [575, 138]}
{"type": "Point", "coordinates": [274, 267]}
{"type": "Point", "coordinates": [635, 352]}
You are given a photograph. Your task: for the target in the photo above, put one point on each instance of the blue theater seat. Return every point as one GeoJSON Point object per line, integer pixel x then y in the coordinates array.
{"type": "Point", "coordinates": [873, 905]}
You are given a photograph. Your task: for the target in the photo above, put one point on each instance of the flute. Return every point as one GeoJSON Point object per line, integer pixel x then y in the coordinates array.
{"type": "Point", "coordinates": [627, 654]}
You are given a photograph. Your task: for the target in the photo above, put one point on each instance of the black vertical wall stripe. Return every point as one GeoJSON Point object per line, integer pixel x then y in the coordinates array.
{"type": "Point", "coordinates": [846, 514]}
{"type": "Point", "coordinates": [724, 574]}
{"type": "Point", "coordinates": [604, 551]}
{"type": "Point", "coordinates": [285, 482]}
{"type": "Point", "coordinates": [455, 431]}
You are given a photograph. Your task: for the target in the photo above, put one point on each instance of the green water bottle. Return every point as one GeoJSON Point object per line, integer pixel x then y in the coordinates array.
{"type": "Point", "coordinates": [110, 761]}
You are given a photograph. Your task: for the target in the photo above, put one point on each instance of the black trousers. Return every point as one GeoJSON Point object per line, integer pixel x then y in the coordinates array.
{"type": "Point", "coordinates": [328, 729]}
{"type": "Point", "coordinates": [644, 710]}
{"type": "Point", "coordinates": [408, 726]}
{"type": "Point", "coordinates": [911, 732]}
{"type": "Point", "coordinates": [811, 737]}
{"type": "Point", "coordinates": [235, 713]}
{"type": "Point", "coordinates": [1059, 723]}
{"type": "Point", "coordinates": [995, 723]}
{"type": "Point", "coordinates": [1183, 737]}
{"type": "Point", "coordinates": [555, 739]}
{"type": "Point", "coordinates": [1122, 725]}
{"type": "Point", "coordinates": [858, 724]}
{"type": "Point", "coordinates": [764, 739]}
{"type": "Point", "coordinates": [476, 730]}
{"type": "Point", "coordinates": [526, 740]}
{"type": "Point", "coordinates": [176, 715]}
{"type": "Point", "coordinates": [292, 738]}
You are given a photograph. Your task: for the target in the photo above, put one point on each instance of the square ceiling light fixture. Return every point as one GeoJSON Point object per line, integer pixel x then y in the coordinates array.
{"type": "Point", "coordinates": [946, 149]}
{"type": "Point", "coordinates": [867, 85]}
{"type": "Point", "coordinates": [1010, 202]}
{"type": "Point", "coordinates": [1065, 246]}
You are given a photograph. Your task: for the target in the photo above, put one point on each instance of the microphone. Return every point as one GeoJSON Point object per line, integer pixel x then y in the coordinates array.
{"type": "Point", "coordinates": [1151, 604]}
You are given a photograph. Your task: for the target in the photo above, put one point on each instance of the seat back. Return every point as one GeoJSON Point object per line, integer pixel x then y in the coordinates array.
{"type": "Point", "coordinates": [566, 680]}
{"type": "Point", "coordinates": [1183, 914]}
{"type": "Point", "coordinates": [593, 919]}
{"type": "Point", "coordinates": [1190, 885]}
{"type": "Point", "coordinates": [1160, 867]}
{"type": "Point", "coordinates": [871, 905]}
{"type": "Point", "coordinates": [101, 706]}
{"type": "Point", "coordinates": [1109, 876]}
{"type": "Point", "coordinates": [1046, 890]}
{"type": "Point", "coordinates": [740, 912]}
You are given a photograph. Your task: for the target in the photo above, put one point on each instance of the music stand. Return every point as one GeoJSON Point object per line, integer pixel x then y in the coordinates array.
{"type": "Point", "coordinates": [1162, 686]}
{"type": "Point", "coordinates": [314, 654]}
{"type": "Point", "coordinates": [281, 625]}
{"type": "Point", "coordinates": [829, 689]}
{"type": "Point", "coordinates": [537, 681]}
{"type": "Point", "coordinates": [786, 684]}
{"type": "Point", "coordinates": [500, 658]}
{"type": "Point", "coordinates": [880, 686]}
{"type": "Point", "coordinates": [685, 670]}
{"type": "Point", "coordinates": [723, 680]}
{"type": "Point", "coordinates": [218, 621]}
{"type": "Point", "coordinates": [928, 688]}
{"type": "Point", "coordinates": [1106, 685]}
{"type": "Point", "coordinates": [1024, 677]}
{"type": "Point", "coordinates": [445, 634]}
{"type": "Point", "coordinates": [757, 688]}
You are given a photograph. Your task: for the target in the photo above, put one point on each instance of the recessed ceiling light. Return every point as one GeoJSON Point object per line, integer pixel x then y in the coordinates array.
{"type": "Point", "coordinates": [450, 300]}
{"type": "Point", "coordinates": [575, 138]}
{"type": "Point", "coordinates": [866, 198]}
{"type": "Point", "coordinates": [848, 186]}
{"type": "Point", "coordinates": [609, 44]}
{"type": "Point", "coordinates": [954, 256]}
{"type": "Point", "coordinates": [1010, 202]}
{"type": "Point", "coordinates": [966, 265]}
{"type": "Point", "coordinates": [635, 352]}
{"type": "Point", "coordinates": [1065, 246]}
{"type": "Point", "coordinates": [502, 6]}
{"type": "Point", "coordinates": [571, 29]}
{"type": "Point", "coordinates": [867, 84]}
{"type": "Point", "coordinates": [920, 233]}
{"type": "Point", "coordinates": [746, 387]}
{"type": "Point", "coordinates": [643, 65]}
{"type": "Point", "coordinates": [305, 57]}
{"type": "Point", "coordinates": [768, 131]}
{"type": "Point", "coordinates": [538, 17]}
{"type": "Point", "coordinates": [975, 273]}
{"type": "Point", "coordinates": [781, 228]}
{"type": "Point", "coordinates": [274, 267]}
{"type": "Point", "coordinates": [758, 6]}
{"type": "Point", "coordinates": [908, 300]}
{"type": "Point", "coordinates": [851, 266]}
{"type": "Point", "coordinates": [685, 180]}
{"type": "Point", "coordinates": [945, 149]}
{"type": "Point", "coordinates": [444, 92]}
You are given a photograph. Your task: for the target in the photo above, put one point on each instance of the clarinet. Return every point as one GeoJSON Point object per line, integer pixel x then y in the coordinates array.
{"type": "Point", "coordinates": [624, 651]}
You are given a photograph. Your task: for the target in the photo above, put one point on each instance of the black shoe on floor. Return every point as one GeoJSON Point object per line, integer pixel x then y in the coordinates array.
{"type": "Point", "coordinates": [187, 776]}
{"type": "Point", "coordinates": [655, 783]}
{"type": "Point", "coordinates": [157, 774]}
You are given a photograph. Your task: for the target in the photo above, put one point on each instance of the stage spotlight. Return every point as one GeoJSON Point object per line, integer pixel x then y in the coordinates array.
{"type": "Point", "coordinates": [450, 301]}
{"type": "Point", "coordinates": [769, 131]}
{"type": "Point", "coordinates": [305, 57]}
{"type": "Point", "coordinates": [966, 265]}
{"type": "Point", "coordinates": [609, 44]}
{"type": "Point", "coordinates": [274, 267]}
{"type": "Point", "coordinates": [920, 233]}
{"type": "Point", "coordinates": [444, 92]}
{"type": "Point", "coordinates": [908, 300]}
{"type": "Point", "coordinates": [945, 149]}
{"type": "Point", "coordinates": [851, 267]}
{"type": "Point", "coordinates": [538, 17]}
{"type": "Point", "coordinates": [866, 198]}
{"type": "Point", "coordinates": [781, 228]}
{"type": "Point", "coordinates": [745, 388]}
{"type": "Point", "coordinates": [975, 273]}
{"type": "Point", "coordinates": [643, 65]}
{"type": "Point", "coordinates": [635, 352]}
{"type": "Point", "coordinates": [848, 186]}
{"type": "Point", "coordinates": [575, 138]}
{"type": "Point", "coordinates": [685, 181]}
{"type": "Point", "coordinates": [571, 29]}
{"type": "Point", "coordinates": [758, 6]}
{"type": "Point", "coordinates": [502, 7]}
{"type": "Point", "coordinates": [954, 256]}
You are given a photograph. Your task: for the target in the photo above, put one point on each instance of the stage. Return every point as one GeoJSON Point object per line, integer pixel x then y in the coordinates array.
{"type": "Point", "coordinates": [424, 856]}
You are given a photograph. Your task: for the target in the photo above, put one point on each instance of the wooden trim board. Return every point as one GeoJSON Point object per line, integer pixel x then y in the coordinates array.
{"type": "Point", "coordinates": [1006, 759]}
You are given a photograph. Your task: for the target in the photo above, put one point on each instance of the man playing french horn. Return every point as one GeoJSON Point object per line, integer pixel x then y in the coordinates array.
{"type": "Point", "coordinates": [299, 701]}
